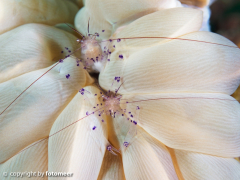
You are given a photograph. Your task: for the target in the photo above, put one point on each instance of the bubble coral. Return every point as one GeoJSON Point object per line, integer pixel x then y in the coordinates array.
{"type": "Point", "coordinates": [188, 124]}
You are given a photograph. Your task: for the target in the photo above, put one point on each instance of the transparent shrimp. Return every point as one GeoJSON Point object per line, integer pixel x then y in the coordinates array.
{"type": "Point", "coordinates": [92, 54]}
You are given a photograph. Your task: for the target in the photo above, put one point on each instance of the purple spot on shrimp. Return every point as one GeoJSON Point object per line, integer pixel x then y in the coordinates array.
{"type": "Point", "coordinates": [61, 61]}
{"type": "Point", "coordinates": [68, 76]}
{"type": "Point", "coordinates": [95, 94]}
{"type": "Point", "coordinates": [61, 51]}
{"type": "Point", "coordinates": [131, 115]}
{"type": "Point", "coordinates": [102, 120]}
{"type": "Point", "coordinates": [94, 127]}
{"type": "Point", "coordinates": [66, 48]}
{"type": "Point", "coordinates": [69, 51]}
{"type": "Point", "coordinates": [114, 46]}
{"type": "Point", "coordinates": [87, 113]}
{"type": "Point", "coordinates": [110, 40]}
{"type": "Point", "coordinates": [135, 122]}
{"type": "Point", "coordinates": [108, 59]}
{"type": "Point", "coordinates": [120, 56]}
{"type": "Point", "coordinates": [103, 30]}
{"type": "Point", "coordinates": [82, 91]}
{"type": "Point", "coordinates": [117, 79]}
{"type": "Point", "coordinates": [138, 107]}
{"type": "Point", "coordinates": [118, 40]}
{"type": "Point", "coordinates": [126, 144]}
{"type": "Point", "coordinates": [109, 148]}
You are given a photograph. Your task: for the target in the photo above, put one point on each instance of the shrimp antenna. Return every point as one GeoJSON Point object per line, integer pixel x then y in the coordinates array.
{"type": "Point", "coordinates": [74, 30]}
{"type": "Point", "coordinates": [88, 25]}
{"type": "Point", "coordinates": [119, 88]}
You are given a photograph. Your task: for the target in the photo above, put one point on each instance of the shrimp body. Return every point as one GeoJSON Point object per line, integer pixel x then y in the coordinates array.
{"type": "Point", "coordinates": [90, 50]}
{"type": "Point", "coordinates": [112, 104]}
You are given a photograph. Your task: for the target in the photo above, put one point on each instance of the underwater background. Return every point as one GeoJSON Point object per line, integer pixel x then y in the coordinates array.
{"type": "Point", "coordinates": [225, 20]}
